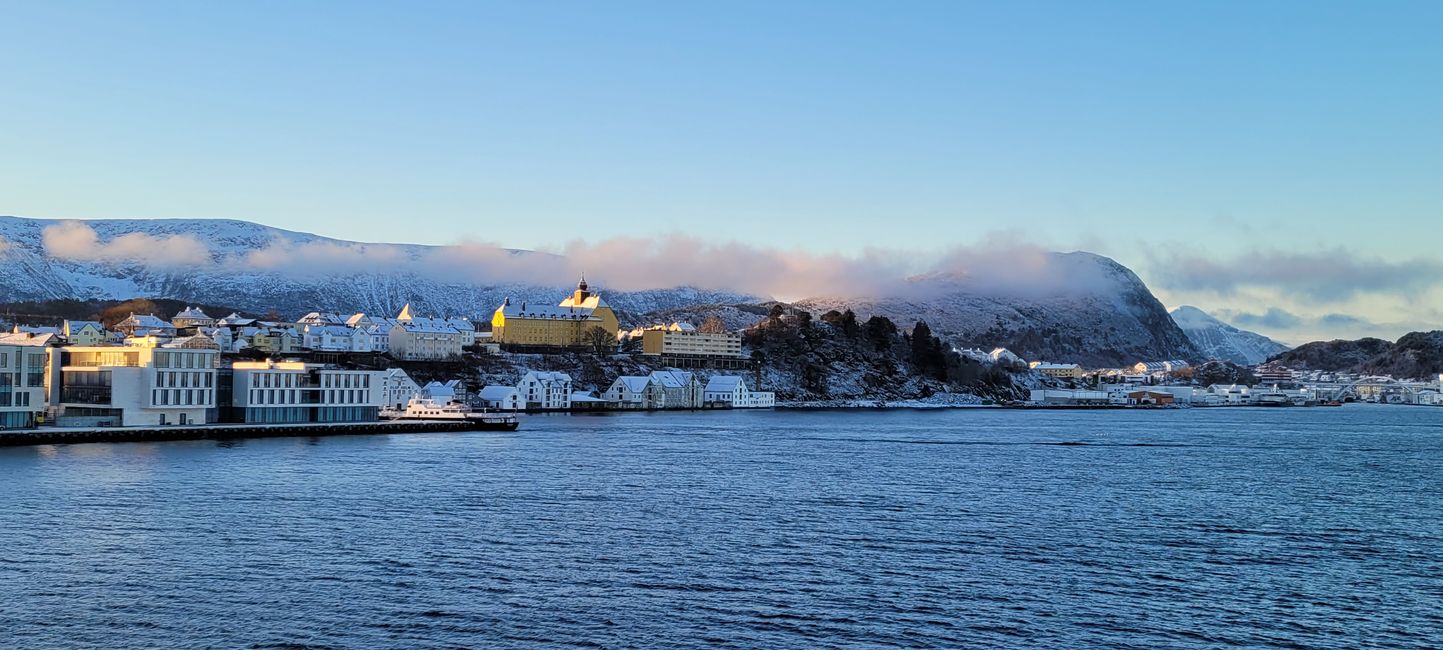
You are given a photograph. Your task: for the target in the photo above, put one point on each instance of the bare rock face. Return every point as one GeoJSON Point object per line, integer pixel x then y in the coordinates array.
{"type": "Point", "coordinates": [1217, 340]}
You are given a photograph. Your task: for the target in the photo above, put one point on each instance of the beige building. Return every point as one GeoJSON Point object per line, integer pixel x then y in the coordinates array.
{"type": "Point", "coordinates": [682, 339]}
{"type": "Point", "coordinates": [1061, 370]}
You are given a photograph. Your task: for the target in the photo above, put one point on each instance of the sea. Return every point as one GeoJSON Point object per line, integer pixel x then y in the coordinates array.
{"type": "Point", "coordinates": [949, 528]}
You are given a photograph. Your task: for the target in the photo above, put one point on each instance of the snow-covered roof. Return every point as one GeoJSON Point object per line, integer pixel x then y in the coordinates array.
{"type": "Point", "coordinates": [724, 383]}
{"type": "Point", "coordinates": [582, 396]}
{"type": "Point", "coordinates": [321, 318]}
{"type": "Point", "coordinates": [682, 327]}
{"type": "Point", "coordinates": [546, 312]}
{"type": "Point", "coordinates": [672, 378]}
{"type": "Point", "coordinates": [77, 325]}
{"type": "Point", "coordinates": [235, 320]}
{"type": "Point", "coordinates": [28, 339]}
{"type": "Point", "coordinates": [546, 376]}
{"type": "Point", "coordinates": [496, 393]}
{"type": "Point", "coordinates": [333, 330]}
{"type": "Point", "coordinates": [1056, 366]}
{"type": "Point", "coordinates": [145, 320]}
{"type": "Point", "coordinates": [634, 384]}
{"type": "Point", "coordinates": [37, 329]}
{"type": "Point", "coordinates": [191, 313]}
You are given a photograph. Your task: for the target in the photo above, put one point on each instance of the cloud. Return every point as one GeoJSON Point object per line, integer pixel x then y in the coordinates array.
{"type": "Point", "coordinates": [641, 263]}
{"type": "Point", "coordinates": [1273, 318]}
{"type": "Point", "coordinates": [76, 241]}
{"type": "Point", "coordinates": [1326, 276]}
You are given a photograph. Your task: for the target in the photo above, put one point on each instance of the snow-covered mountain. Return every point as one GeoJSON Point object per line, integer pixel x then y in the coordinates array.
{"type": "Point", "coordinates": [1075, 307]}
{"type": "Point", "coordinates": [260, 268]}
{"type": "Point", "coordinates": [1218, 340]}
{"type": "Point", "coordinates": [1062, 307]}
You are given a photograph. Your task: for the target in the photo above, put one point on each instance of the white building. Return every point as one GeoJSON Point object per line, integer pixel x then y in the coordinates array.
{"type": "Point", "coordinates": [680, 390]}
{"type": "Point", "coordinates": [273, 392]}
{"type": "Point", "coordinates": [398, 389]}
{"type": "Point", "coordinates": [442, 392]}
{"type": "Point", "coordinates": [84, 332]}
{"type": "Point", "coordinates": [545, 391]}
{"type": "Point", "coordinates": [415, 338]}
{"type": "Point", "coordinates": [24, 363]}
{"type": "Point", "coordinates": [333, 338]}
{"type": "Point", "coordinates": [135, 385]}
{"type": "Point", "coordinates": [500, 398]}
{"type": "Point", "coordinates": [634, 392]}
{"type": "Point", "coordinates": [732, 390]}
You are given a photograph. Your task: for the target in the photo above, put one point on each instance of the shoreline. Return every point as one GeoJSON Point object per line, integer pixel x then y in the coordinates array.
{"type": "Point", "coordinates": [77, 435]}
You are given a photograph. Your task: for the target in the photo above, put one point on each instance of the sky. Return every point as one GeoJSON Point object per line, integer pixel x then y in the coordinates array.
{"type": "Point", "coordinates": [1279, 164]}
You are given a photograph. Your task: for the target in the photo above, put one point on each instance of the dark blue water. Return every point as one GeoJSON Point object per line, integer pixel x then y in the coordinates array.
{"type": "Point", "coordinates": [1187, 529]}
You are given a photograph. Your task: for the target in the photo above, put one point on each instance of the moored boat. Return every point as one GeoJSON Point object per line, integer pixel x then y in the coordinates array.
{"type": "Point", "coordinates": [428, 409]}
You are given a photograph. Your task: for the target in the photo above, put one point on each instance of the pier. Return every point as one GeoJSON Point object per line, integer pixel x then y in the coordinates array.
{"type": "Point", "coordinates": [69, 435]}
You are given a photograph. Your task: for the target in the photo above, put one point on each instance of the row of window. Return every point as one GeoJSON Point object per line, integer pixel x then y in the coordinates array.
{"type": "Point", "coordinates": [174, 379]}
{"type": "Point", "coordinates": [183, 359]}
{"type": "Point", "coordinates": [182, 397]}
{"type": "Point", "coordinates": [269, 396]}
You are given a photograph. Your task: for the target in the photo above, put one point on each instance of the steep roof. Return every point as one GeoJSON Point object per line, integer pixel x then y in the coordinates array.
{"type": "Point", "coordinates": [724, 383]}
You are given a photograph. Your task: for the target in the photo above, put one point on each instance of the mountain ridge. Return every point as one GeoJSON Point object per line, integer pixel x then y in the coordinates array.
{"type": "Point", "coordinates": [1216, 339]}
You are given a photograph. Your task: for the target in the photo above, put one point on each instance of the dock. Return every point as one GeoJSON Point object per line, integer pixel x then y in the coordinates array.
{"type": "Point", "coordinates": [70, 435]}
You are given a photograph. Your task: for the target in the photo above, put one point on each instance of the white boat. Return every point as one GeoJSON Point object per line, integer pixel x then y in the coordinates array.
{"type": "Point", "coordinates": [422, 408]}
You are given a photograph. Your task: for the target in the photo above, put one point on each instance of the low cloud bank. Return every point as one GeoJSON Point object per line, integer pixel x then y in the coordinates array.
{"type": "Point", "coordinates": [998, 264]}
{"type": "Point", "coordinates": [1325, 276]}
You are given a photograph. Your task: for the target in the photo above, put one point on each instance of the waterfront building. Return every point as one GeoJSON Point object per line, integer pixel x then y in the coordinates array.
{"type": "Point", "coordinates": [565, 325]}
{"type": "Point", "coordinates": [684, 340]}
{"type": "Point", "coordinates": [83, 332]}
{"type": "Point", "coordinates": [732, 391]}
{"type": "Point", "coordinates": [545, 391]}
{"type": "Point", "coordinates": [1059, 370]}
{"type": "Point", "coordinates": [134, 386]}
{"type": "Point", "coordinates": [397, 388]}
{"type": "Point", "coordinates": [191, 317]}
{"type": "Point", "coordinates": [500, 398]}
{"type": "Point", "coordinates": [680, 390]}
{"type": "Point", "coordinates": [634, 392]}
{"type": "Point", "coordinates": [440, 392]}
{"type": "Point", "coordinates": [143, 325]}
{"type": "Point", "coordinates": [24, 364]}
{"type": "Point", "coordinates": [274, 392]}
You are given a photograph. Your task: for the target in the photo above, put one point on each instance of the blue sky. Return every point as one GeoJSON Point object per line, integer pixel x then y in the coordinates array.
{"type": "Point", "coordinates": [1161, 134]}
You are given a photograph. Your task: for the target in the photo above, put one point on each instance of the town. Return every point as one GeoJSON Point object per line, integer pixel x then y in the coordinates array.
{"type": "Point", "coordinates": [1178, 383]}
{"type": "Point", "coordinates": [195, 369]}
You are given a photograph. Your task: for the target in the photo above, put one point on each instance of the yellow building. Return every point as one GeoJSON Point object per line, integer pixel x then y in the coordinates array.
{"type": "Point", "coordinates": [1060, 370]}
{"type": "Point", "coordinates": [683, 339]}
{"type": "Point", "coordinates": [563, 325]}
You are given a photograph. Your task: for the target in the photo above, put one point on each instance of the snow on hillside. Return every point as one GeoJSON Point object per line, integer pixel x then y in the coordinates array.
{"type": "Point", "coordinates": [1218, 340]}
{"type": "Point", "coordinates": [1066, 307]}
{"type": "Point", "coordinates": [261, 268]}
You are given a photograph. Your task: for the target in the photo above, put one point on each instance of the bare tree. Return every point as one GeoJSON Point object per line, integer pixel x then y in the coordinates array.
{"type": "Point", "coordinates": [712, 325]}
{"type": "Point", "coordinates": [600, 340]}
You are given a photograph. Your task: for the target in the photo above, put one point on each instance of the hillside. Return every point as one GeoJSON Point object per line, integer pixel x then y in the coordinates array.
{"type": "Point", "coordinates": [1215, 339]}
{"type": "Point", "coordinates": [1061, 307]}
{"type": "Point", "coordinates": [1417, 355]}
{"type": "Point", "coordinates": [1079, 308]}
{"type": "Point", "coordinates": [260, 268]}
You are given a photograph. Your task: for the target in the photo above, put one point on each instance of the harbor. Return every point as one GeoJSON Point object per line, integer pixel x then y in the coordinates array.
{"type": "Point", "coordinates": [71, 435]}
